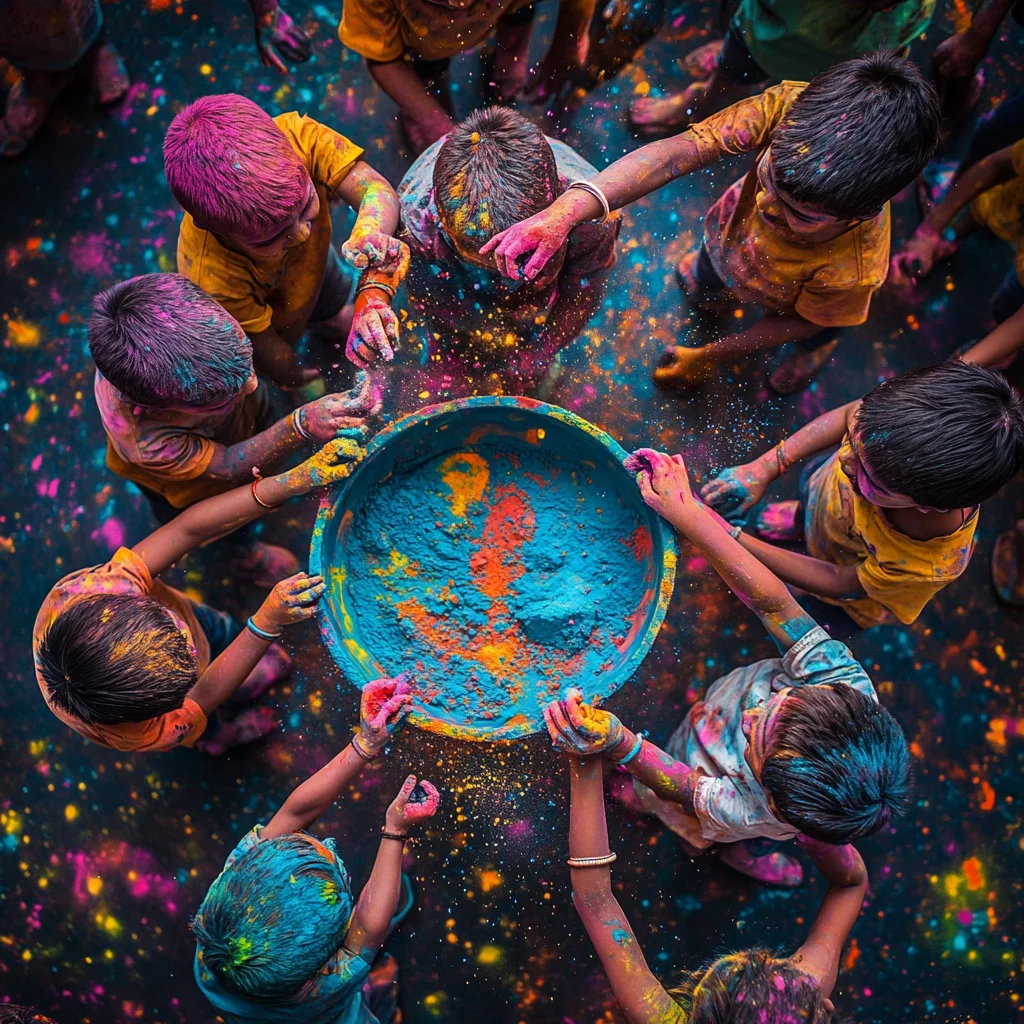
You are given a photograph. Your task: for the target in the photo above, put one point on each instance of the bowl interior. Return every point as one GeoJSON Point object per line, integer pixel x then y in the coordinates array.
{"type": "Point", "coordinates": [498, 550]}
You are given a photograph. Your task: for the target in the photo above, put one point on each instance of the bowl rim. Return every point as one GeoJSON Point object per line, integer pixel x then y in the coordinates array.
{"type": "Point", "coordinates": [331, 497]}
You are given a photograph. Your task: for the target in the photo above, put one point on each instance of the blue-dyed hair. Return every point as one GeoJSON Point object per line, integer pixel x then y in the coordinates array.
{"type": "Point", "coordinates": [162, 341]}
{"type": "Point", "coordinates": [837, 767]}
{"type": "Point", "coordinates": [275, 916]}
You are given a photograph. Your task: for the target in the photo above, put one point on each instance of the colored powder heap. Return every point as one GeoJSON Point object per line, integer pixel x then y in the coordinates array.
{"type": "Point", "coordinates": [499, 574]}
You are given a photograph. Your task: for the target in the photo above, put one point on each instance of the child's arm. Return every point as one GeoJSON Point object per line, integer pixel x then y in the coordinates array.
{"type": "Point", "coordinates": [999, 344]}
{"type": "Point", "coordinates": [276, 359]}
{"type": "Point", "coordinates": [382, 709]}
{"type": "Point", "coordinates": [960, 54]}
{"type": "Point", "coordinates": [928, 243]}
{"type": "Point", "coordinates": [847, 880]}
{"type": "Point", "coordinates": [639, 993]}
{"type": "Point", "coordinates": [278, 36]}
{"type": "Point", "coordinates": [398, 79]}
{"type": "Point", "coordinates": [666, 488]}
{"type": "Point", "coordinates": [735, 491]}
{"type": "Point", "coordinates": [567, 52]}
{"type": "Point", "coordinates": [839, 582]}
{"type": "Point", "coordinates": [379, 898]}
{"type": "Point", "coordinates": [219, 515]}
{"type": "Point", "coordinates": [320, 421]}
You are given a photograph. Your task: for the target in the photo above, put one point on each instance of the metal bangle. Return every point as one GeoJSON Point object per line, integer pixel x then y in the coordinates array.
{"type": "Point", "coordinates": [390, 290]}
{"type": "Point", "coordinates": [255, 494]}
{"type": "Point", "coordinates": [592, 862]}
{"type": "Point", "coordinates": [589, 186]}
{"type": "Point", "coordinates": [361, 751]}
{"type": "Point", "coordinates": [298, 425]}
{"type": "Point", "coordinates": [261, 633]}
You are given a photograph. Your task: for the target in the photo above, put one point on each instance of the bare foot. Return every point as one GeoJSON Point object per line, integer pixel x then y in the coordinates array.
{"type": "Point", "coordinates": [265, 564]}
{"type": "Point", "coordinates": [236, 730]}
{"type": "Point", "coordinates": [772, 869]}
{"type": "Point", "coordinates": [701, 61]}
{"type": "Point", "coordinates": [683, 367]}
{"type": "Point", "coordinates": [664, 113]}
{"type": "Point", "coordinates": [795, 373]}
{"type": "Point", "coordinates": [780, 521]}
{"type": "Point", "coordinates": [271, 668]}
{"type": "Point", "coordinates": [1007, 579]}
{"type": "Point", "coordinates": [109, 75]}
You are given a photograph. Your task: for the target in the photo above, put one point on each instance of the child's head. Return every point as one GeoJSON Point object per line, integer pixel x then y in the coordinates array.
{"type": "Point", "coordinates": [275, 916]}
{"type": "Point", "coordinates": [493, 170]}
{"type": "Point", "coordinates": [859, 133]}
{"type": "Point", "coordinates": [942, 437]}
{"type": "Point", "coordinates": [835, 763]}
{"type": "Point", "coordinates": [11, 1014]}
{"type": "Point", "coordinates": [113, 658]}
{"type": "Point", "coordinates": [752, 986]}
{"type": "Point", "coordinates": [235, 172]}
{"type": "Point", "coordinates": [164, 343]}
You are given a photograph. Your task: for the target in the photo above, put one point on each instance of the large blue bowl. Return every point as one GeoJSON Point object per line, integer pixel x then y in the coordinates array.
{"type": "Point", "coordinates": [498, 549]}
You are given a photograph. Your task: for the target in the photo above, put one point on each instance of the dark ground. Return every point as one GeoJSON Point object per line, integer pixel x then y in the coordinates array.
{"type": "Point", "coordinates": [104, 857]}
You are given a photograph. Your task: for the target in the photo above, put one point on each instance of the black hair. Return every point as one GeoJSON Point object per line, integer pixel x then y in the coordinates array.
{"type": "Point", "coordinates": [11, 1014]}
{"type": "Point", "coordinates": [162, 341]}
{"type": "Point", "coordinates": [750, 987]}
{"type": "Point", "coordinates": [859, 133]}
{"type": "Point", "coordinates": [837, 767]}
{"type": "Point", "coordinates": [112, 658]}
{"type": "Point", "coordinates": [493, 170]}
{"type": "Point", "coordinates": [947, 436]}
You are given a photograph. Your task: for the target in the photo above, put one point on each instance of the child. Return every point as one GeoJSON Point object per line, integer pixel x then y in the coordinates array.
{"type": "Point", "coordinates": [277, 935]}
{"type": "Point", "coordinates": [50, 42]}
{"type": "Point", "coordinates": [131, 663]}
{"type": "Point", "coordinates": [256, 234]}
{"type": "Point", "coordinates": [993, 188]}
{"type": "Point", "coordinates": [487, 173]}
{"type": "Point", "coordinates": [781, 748]}
{"type": "Point", "coordinates": [810, 248]}
{"type": "Point", "coordinates": [752, 986]}
{"type": "Point", "coordinates": [889, 518]}
{"type": "Point", "coordinates": [785, 39]}
{"type": "Point", "coordinates": [11, 1014]}
{"type": "Point", "coordinates": [408, 46]}
{"type": "Point", "coordinates": [184, 414]}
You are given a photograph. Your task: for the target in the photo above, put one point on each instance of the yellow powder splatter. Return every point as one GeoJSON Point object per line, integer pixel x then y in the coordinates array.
{"type": "Point", "coordinates": [466, 475]}
{"type": "Point", "coordinates": [22, 334]}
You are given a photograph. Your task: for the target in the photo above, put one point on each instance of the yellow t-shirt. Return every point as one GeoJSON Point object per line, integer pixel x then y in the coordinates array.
{"type": "Point", "coordinates": [899, 574]}
{"type": "Point", "coordinates": [126, 573]}
{"type": "Point", "coordinates": [753, 251]}
{"type": "Point", "coordinates": [281, 291]}
{"type": "Point", "coordinates": [1001, 209]}
{"type": "Point", "coordinates": [384, 30]}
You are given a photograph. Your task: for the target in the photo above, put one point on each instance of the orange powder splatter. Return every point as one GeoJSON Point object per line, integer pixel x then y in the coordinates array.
{"type": "Point", "coordinates": [510, 524]}
{"type": "Point", "coordinates": [973, 874]}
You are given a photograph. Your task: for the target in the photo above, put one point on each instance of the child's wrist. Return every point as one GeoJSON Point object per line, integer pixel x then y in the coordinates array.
{"type": "Point", "coordinates": [625, 745]}
{"type": "Point", "coordinates": [262, 619]}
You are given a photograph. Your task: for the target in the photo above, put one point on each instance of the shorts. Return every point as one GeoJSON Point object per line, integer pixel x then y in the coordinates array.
{"type": "Point", "coordinates": [337, 289]}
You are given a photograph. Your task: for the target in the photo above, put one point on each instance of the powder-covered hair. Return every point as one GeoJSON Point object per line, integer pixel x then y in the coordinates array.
{"type": "Point", "coordinates": [112, 658]}
{"type": "Point", "coordinates": [859, 133]}
{"type": "Point", "coordinates": [837, 767]}
{"type": "Point", "coordinates": [162, 341]}
{"type": "Point", "coordinates": [494, 169]}
{"type": "Point", "coordinates": [948, 435]}
{"type": "Point", "coordinates": [753, 986]}
{"type": "Point", "coordinates": [11, 1014]}
{"type": "Point", "coordinates": [232, 168]}
{"type": "Point", "coordinates": [275, 916]}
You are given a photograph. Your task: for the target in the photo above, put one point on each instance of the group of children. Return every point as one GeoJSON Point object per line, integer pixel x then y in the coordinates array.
{"type": "Point", "coordinates": [505, 239]}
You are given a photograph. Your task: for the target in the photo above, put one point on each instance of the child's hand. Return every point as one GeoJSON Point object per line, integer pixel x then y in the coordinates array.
{"type": "Point", "coordinates": [412, 805]}
{"type": "Point", "coordinates": [666, 487]}
{"type": "Point", "coordinates": [292, 600]}
{"type": "Point", "coordinates": [383, 708]}
{"type": "Point", "coordinates": [374, 250]}
{"type": "Point", "coordinates": [276, 33]}
{"type": "Point", "coordinates": [581, 729]}
{"type": "Point", "coordinates": [347, 410]}
{"type": "Point", "coordinates": [917, 257]}
{"type": "Point", "coordinates": [542, 235]}
{"type": "Point", "coordinates": [737, 490]}
{"type": "Point", "coordinates": [329, 465]}
{"type": "Point", "coordinates": [374, 333]}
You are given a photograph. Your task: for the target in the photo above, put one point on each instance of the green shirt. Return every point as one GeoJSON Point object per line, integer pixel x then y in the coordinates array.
{"type": "Point", "coordinates": [798, 39]}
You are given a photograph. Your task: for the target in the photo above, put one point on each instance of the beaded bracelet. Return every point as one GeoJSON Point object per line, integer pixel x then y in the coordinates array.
{"type": "Point", "coordinates": [589, 186]}
{"type": "Point", "coordinates": [261, 633]}
{"type": "Point", "coordinates": [298, 426]}
{"type": "Point", "coordinates": [592, 862]}
{"type": "Point", "coordinates": [259, 500]}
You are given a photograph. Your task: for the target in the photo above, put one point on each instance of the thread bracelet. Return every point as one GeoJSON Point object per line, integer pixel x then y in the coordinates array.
{"type": "Point", "coordinates": [592, 862]}
{"type": "Point", "coordinates": [589, 186]}
{"type": "Point", "coordinates": [399, 837]}
{"type": "Point", "coordinates": [261, 633]}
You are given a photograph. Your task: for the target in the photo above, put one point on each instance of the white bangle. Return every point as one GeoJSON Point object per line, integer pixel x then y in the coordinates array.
{"type": "Point", "coordinates": [589, 186]}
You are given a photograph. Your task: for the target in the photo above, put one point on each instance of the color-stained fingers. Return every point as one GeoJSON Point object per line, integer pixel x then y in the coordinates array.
{"type": "Point", "coordinates": [404, 793]}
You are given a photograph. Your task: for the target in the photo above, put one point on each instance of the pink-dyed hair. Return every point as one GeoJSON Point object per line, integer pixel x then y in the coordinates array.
{"type": "Point", "coordinates": [232, 168]}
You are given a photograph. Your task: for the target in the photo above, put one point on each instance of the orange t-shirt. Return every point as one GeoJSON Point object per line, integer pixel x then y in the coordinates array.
{"type": "Point", "coordinates": [126, 573]}
{"type": "Point", "coordinates": [757, 257]}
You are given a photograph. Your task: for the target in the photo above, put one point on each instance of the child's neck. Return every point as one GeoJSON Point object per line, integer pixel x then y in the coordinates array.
{"type": "Point", "coordinates": [918, 525]}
